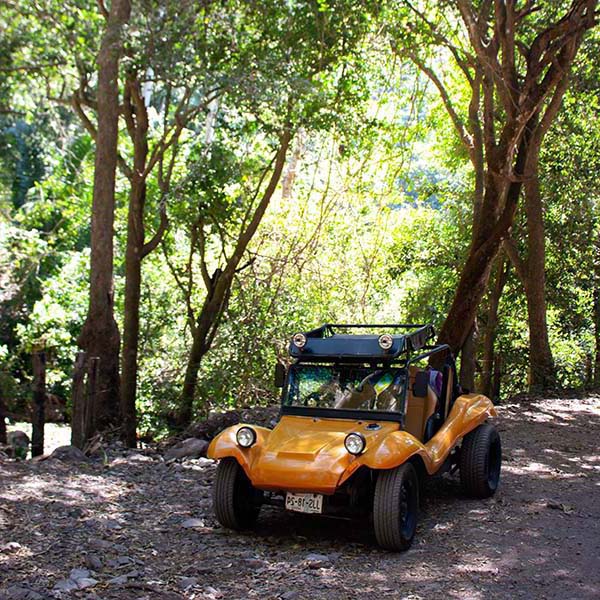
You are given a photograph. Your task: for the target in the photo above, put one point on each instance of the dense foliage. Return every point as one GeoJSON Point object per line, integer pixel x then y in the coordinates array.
{"type": "Point", "coordinates": [371, 220]}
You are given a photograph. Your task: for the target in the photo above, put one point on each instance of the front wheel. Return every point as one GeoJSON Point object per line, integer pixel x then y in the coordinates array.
{"type": "Point", "coordinates": [235, 501]}
{"type": "Point", "coordinates": [395, 507]}
{"type": "Point", "coordinates": [480, 461]}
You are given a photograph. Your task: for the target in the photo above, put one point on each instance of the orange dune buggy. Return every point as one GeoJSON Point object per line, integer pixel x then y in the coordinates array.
{"type": "Point", "coordinates": [361, 423]}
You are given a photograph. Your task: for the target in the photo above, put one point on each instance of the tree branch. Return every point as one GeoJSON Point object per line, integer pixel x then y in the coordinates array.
{"type": "Point", "coordinates": [158, 234]}
{"type": "Point", "coordinates": [465, 138]}
{"type": "Point", "coordinates": [103, 9]}
{"type": "Point", "coordinates": [518, 263]}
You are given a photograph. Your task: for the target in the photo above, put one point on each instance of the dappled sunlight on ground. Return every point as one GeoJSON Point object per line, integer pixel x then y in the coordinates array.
{"type": "Point", "coordinates": [539, 537]}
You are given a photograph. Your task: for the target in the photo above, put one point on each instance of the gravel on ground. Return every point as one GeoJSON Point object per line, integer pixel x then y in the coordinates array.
{"type": "Point", "coordinates": [134, 526]}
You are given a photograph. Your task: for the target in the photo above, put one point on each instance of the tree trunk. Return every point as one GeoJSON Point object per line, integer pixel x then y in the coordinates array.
{"type": "Point", "coordinates": [489, 338]}
{"type": "Point", "coordinates": [491, 229]}
{"type": "Point", "coordinates": [219, 290]}
{"type": "Point", "coordinates": [497, 381]}
{"type": "Point", "coordinates": [134, 253]}
{"type": "Point", "coordinates": [78, 400]}
{"type": "Point", "coordinates": [468, 352]}
{"type": "Point", "coordinates": [289, 177]}
{"type": "Point", "coordinates": [541, 363]}
{"type": "Point", "coordinates": [469, 292]}
{"type": "Point", "coordinates": [203, 334]}
{"type": "Point", "coordinates": [93, 396]}
{"type": "Point", "coordinates": [597, 336]}
{"type": "Point", "coordinates": [3, 439]}
{"type": "Point", "coordinates": [516, 92]}
{"type": "Point", "coordinates": [100, 335]}
{"type": "Point", "coordinates": [38, 416]}
{"type": "Point", "coordinates": [596, 293]}
{"type": "Point", "coordinates": [468, 356]}
{"type": "Point", "coordinates": [131, 319]}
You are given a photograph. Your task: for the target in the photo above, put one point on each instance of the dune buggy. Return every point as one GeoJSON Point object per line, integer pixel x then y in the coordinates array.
{"type": "Point", "coordinates": [363, 420]}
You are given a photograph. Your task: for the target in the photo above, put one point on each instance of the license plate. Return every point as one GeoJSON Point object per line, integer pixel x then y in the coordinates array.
{"type": "Point", "coordinates": [304, 503]}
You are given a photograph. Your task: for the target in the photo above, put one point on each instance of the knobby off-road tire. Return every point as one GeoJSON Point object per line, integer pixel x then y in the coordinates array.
{"type": "Point", "coordinates": [480, 461]}
{"type": "Point", "coordinates": [235, 501]}
{"type": "Point", "coordinates": [396, 507]}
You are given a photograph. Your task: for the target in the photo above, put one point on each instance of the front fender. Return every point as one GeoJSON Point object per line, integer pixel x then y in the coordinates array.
{"type": "Point", "coordinates": [468, 411]}
{"type": "Point", "coordinates": [225, 445]}
{"type": "Point", "coordinates": [394, 450]}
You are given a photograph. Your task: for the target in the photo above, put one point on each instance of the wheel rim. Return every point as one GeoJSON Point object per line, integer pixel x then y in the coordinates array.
{"type": "Point", "coordinates": [407, 512]}
{"type": "Point", "coordinates": [493, 466]}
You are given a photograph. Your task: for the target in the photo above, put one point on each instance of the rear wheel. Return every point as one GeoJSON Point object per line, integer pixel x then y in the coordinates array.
{"type": "Point", "coordinates": [235, 501]}
{"type": "Point", "coordinates": [480, 461]}
{"type": "Point", "coordinates": [395, 507]}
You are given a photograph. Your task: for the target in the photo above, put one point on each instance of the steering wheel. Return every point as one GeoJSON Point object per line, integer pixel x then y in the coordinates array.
{"type": "Point", "coordinates": [312, 396]}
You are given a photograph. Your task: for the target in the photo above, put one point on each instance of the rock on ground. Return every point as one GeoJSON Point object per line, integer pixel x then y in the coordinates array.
{"type": "Point", "coordinates": [192, 448]}
{"type": "Point", "coordinates": [266, 416]}
{"type": "Point", "coordinates": [69, 454]}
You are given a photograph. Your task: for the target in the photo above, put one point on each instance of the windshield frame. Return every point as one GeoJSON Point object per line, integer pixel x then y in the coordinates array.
{"type": "Point", "coordinates": [354, 414]}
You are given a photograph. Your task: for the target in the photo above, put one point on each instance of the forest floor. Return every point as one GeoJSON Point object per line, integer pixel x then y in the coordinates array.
{"type": "Point", "coordinates": [137, 527]}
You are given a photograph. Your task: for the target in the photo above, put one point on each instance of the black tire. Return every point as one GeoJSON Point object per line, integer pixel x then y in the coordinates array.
{"type": "Point", "coordinates": [236, 502]}
{"type": "Point", "coordinates": [480, 461]}
{"type": "Point", "coordinates": [396, 507]}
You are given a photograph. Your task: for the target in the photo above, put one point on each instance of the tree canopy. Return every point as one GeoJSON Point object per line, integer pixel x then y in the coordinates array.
{"type": "Point", "coordinates": [185, 185]}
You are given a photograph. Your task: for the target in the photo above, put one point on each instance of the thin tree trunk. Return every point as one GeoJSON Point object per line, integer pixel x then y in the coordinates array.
{"type": "Point", "coordinates": [202, 336]}
{"type": "Point", "coordinates": [497, 381]}
{"type": "Point", "coordinates": [468, 359]}
{"type": "Point", "coordinates": [219, 290]}
{"type": "Point", "coordinates": [3, 439]}
{"type": "Point", "coordinates": [100, 335]}
{"type": "Point", "coordinates": [93, 397]}
{"type": "Point", "coordinates": [597, 337]}
{"type": "Point", "coordinates": [38, 416]}
{"type": "Point", "coordinates": [136, 119]}
{"type": "Point", "coordinates": [137, 124]}
{"type": "Point", "coordinates": [131, 318]}
{"type": "Point", "coordinates": [596, 310]}
{"type": "Point", "coordinates": [468, 352]}
{"type": "Point", "coordinates": [541, 363]}
{"type": "Point", "coordinates": [531, 273]}
{"type": "Point", "coordinates": [78, 400]}
{"type": "Point", "coordinates": [135, 252]}
{"type": "Point", "coordinates": [489, 338]}
{"type": "Point", "coordinates": [289, 177]}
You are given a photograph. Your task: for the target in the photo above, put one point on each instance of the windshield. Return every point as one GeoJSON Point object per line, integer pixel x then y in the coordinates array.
{"type": "Point", "coordinates": [346, 387]}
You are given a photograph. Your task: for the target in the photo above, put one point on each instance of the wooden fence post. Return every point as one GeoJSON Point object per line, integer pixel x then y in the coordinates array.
{"type": "Point", "coordinates": [497, 379]}
{"type": "Point", "coordinates": [90, 406]}
{"type": "Point", "coordinates": [3, 439]}
{"type": "Point", "coordinates": [78, 398]}
{"type": "Point", "coordinates": [38, 416]}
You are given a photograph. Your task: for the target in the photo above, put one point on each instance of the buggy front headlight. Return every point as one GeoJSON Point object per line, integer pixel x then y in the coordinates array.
{"type": "Point", "coordinates": [355, 443]}
{"type": "Point", "coordinates": [246, 437]}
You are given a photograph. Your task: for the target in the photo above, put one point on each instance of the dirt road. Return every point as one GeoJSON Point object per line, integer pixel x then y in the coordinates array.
{"type": "Point", "coordinates": [139, 528]}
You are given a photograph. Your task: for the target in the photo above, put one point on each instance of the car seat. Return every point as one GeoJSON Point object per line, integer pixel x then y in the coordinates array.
{"type": "Point", "coordinates": [422, 402]}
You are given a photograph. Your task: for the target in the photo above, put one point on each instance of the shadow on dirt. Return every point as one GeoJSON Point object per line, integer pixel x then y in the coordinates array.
{"type": "Point", "coordinates": [151, 524]}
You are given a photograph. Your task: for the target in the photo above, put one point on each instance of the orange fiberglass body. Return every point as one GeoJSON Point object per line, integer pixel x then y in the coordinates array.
{"type": "Point", "coordinates": [307, 454]}
{"type": "Point", "coordinates": [364, 417]}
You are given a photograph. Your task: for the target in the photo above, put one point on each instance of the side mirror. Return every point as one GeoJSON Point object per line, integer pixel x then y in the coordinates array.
{"type": "Point", "coordinates": [279, 375]}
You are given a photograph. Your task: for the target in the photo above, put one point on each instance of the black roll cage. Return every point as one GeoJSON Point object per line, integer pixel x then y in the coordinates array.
{"type": "Point", "coordinates": [366, 415]}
